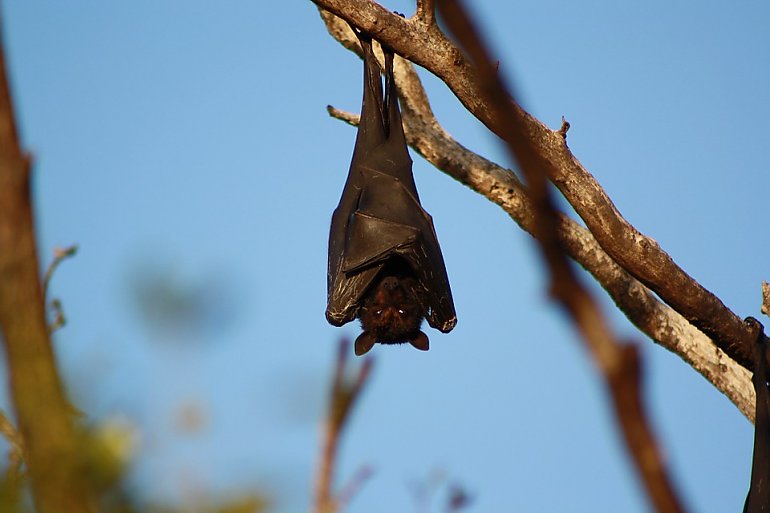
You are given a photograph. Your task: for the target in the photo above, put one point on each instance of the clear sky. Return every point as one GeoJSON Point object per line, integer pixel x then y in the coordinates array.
{"type": "Point", "coordinates": [185, 147]}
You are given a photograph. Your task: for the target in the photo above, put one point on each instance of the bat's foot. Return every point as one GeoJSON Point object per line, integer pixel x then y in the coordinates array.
{"type": "Point", "coordinates": [420, 342]}
{"type": "Point", "coordinates": [364, 343]}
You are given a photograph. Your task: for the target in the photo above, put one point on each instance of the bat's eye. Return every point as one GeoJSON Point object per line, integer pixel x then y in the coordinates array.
{"type": "Point", "coordinates": [401, 312]}
{"type": "Point", "coordinates": [378, 313]}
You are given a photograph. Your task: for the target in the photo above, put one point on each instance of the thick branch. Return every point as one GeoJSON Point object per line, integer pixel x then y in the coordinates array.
{"type": "Point", "coordinates": [655, 319]}
{"type": "Point", "coordinates": [41, 409]}
{"type": "Point", "coordinates": [641, 256]}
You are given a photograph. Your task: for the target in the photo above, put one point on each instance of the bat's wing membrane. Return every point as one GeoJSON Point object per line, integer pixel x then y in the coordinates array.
{"type": "Point", "coordinates": [344, 289]}
{"type": "Point", "coordinates": [373, 240]}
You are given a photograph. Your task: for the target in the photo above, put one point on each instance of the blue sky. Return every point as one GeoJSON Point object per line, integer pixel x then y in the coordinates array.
{"type": "Point", "coordinates": [186, 146]}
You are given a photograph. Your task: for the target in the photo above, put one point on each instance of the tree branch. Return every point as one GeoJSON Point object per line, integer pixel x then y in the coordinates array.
{"type": "Point", "coordinates": [341, 401]}
{"type": "Point", "coordinates": [658, 321]}
{"type": "Point", "coordinates": [426, 11]}
{"type": "Point", "coordinates": [639, 255]}
{"type": "Point", "coordinates": [619, 364]}
{"type": "Point", "coordinates": [58, 483]}
{"type": "Point", "coordinates": [59, 255]}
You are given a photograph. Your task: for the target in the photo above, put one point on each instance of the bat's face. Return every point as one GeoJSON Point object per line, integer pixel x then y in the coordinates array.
{"type": "Point", "coordinates": [391, 310]}
{"type": "Point", "coordinates": [391, 314]}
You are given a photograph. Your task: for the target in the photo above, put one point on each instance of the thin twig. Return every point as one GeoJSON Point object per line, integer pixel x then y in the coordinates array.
{"type": "Point", "coordinates": [341, 400]}
{"type": "Point", "coordinates": [16, 450]}
{"type": "Point", "coordinates": [59, 255]}
{"type": "Point", "coordinates": [620, 364]}
{"type": "Point", "coordinates": [353, 486]}
{"type": "Point", "coordinates": [654, 318]}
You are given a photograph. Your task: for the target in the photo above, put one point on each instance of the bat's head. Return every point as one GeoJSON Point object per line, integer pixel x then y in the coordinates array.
{"type": "Point", "coordinates": [391, 314]}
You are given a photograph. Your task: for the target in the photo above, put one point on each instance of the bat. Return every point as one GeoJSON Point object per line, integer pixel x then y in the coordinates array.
{"type": "Point", "coordinates": [385, 263]}
{"type": "Point", "coordinates": [758, 499]}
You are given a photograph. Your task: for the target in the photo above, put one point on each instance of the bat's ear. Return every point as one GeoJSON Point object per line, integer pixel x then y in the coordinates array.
{"type": "Point", "coordinates": [364, 343]}
{"type": "Point", "coordinates": [420, 342]}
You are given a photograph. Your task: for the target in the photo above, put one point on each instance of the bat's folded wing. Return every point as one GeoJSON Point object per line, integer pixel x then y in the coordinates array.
{"type": "Point", "coordinates": [345, 293]}
{"type": "Point", "coordinates": [372, 240]}
{"type": "Point", "coordinates": [388, 222]}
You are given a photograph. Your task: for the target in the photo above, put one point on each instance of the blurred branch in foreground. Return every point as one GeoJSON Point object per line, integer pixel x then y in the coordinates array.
{"type": "Point", "coordinates": [59, 255]}
{"type": "Point", "coordinates": [43, 414]}
{"type": "Point", "coordinates": [619, 363]}
{"type": "Point", "coordinates": [343, 396]}
{"type": "Point", "coordinates": [13, 437]}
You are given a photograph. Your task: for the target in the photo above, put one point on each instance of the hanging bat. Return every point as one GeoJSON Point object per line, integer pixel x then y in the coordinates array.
{"type": "Point", "coordinates": [758, 499]}
{"type": "Point", "coordinates": [385, 264]}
